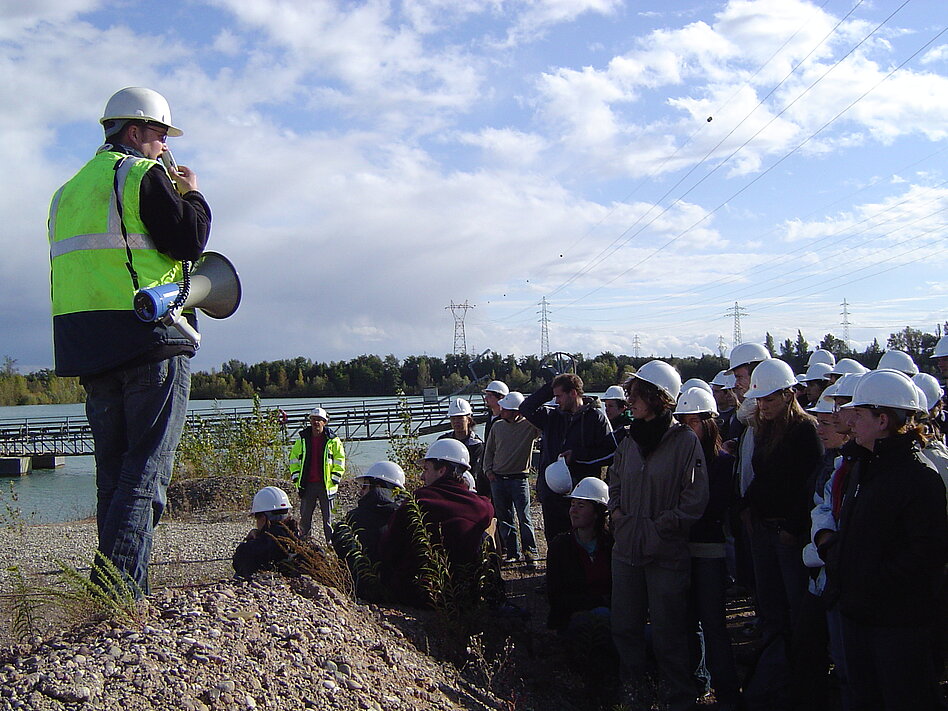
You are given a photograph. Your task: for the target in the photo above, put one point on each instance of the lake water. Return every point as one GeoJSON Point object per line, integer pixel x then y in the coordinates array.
{"type": "Point", "coordinates": [68, 493]}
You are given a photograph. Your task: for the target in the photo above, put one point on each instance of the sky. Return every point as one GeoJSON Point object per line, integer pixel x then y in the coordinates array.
{"type": "Point", "coordinates": [643, 166]}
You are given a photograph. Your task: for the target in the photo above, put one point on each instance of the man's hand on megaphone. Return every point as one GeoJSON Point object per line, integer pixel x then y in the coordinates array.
{"type": "Point", "coordinates": [185, 179]}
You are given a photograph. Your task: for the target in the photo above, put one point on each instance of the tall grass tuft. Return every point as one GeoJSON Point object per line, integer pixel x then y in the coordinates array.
{"type": "Point", "coordinates": [404, 447]}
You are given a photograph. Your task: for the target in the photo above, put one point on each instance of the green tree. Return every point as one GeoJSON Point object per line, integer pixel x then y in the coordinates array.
{"type": "Point", "coordinates": [769, 345]}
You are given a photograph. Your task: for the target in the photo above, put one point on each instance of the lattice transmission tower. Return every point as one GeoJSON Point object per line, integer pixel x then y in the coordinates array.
{"type": "Point", "coordinates": [722, 346]}
{"type": "Point", "coordinates": [636, 346]}
{"type": "Point", "coordinates": [459, 311]}
{"type": "Point", "coordinates": [845, 323]}
{"type": "Point", "coordinates": [544, 327]}
{"type": "Point", "coordinates": [736, 312]}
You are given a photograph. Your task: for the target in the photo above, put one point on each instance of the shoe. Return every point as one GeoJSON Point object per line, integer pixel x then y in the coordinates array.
{"type": "Point", "coordinates": [511, 558]}
{"type": "Point", "coordinates": [530, 560]}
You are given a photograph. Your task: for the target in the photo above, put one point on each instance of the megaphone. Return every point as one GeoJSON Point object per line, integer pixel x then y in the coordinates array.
{"type": "Point", "coordinates": [212, 285]}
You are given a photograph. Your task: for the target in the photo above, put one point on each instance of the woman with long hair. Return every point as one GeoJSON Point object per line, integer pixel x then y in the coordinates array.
{"type": "Point", "coordinates": [696, 409]}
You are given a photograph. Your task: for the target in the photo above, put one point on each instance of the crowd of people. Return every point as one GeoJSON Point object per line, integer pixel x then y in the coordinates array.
{"type": "Point", "coordinates": [822, 496]}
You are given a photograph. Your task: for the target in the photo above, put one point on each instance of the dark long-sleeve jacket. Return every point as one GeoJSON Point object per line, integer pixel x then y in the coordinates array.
{"type": "Point", "coordinates": [782, 487]}
{"type": "Point", "coordinates": [888, 558]}
{"type": "Point", "coordinates": [586, 432]}
{"type": "Point", "coordinates": [266, 551]}
{"type": "Point", "coordinates": [576, 581]}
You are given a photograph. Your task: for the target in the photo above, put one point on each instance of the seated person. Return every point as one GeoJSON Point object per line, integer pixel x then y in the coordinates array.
{"type": "Point", "coordinates": [356, 537]}
{"type": "Point", "coordinates": [578, 563]}
{"type": "Point", "coordinates": [268, 545]}
{"type": "Point", "coordinates": [579, 588]}
{"type": "Point", "coordinates": [455, 519]}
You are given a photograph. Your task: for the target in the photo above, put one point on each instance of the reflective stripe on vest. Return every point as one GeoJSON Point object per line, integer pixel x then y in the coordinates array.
{"type": "Point", "coordinates": [87, 249]}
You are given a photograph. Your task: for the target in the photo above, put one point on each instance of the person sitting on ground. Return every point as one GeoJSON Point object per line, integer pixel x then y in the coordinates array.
{"type": "Point", "coordinates": [269, 544]}
{"type": "Point", "coordinates": [357, 535]}
{"type": "Point", "coordinates": [579, 587]}
{"type": "Point", "coordinates": [454, 519]}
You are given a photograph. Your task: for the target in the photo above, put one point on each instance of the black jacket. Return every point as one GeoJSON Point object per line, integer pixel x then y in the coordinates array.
{"type": "Point", "coordinates": [574, 582]}
{"type": "Point", "coordinates": [889, 554]}
{"type": "Point", "coordinates": [266, 552]}
{"type": "Point", "coordinates": [369, 519]}
{"type": "Point", "coordinates": [781, 486]}
{"type": "Point", "coordinates": [586, 432]}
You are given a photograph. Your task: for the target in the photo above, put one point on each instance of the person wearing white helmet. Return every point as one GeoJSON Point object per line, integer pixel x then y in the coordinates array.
{"type": "Point", "coordinates": [579, 585]}
{"type": "Point", "coordinates": [930, 421]}
{"type": "Point", "coordinates": [453, 517]}
{"type": "Point", "coordinates": [821, 355]}
{"type": "Point", "coordinates": [269, 544]}
{"type": "Point", "coordinates": [507, 456]}
{"type": "Point", "coordinates": [778, 454]}
{"type": "Point", "coordinates": [901, 361]}
{"type": "Point", "coordinates": [940, 356]}
{"type": "Point", "coordinates": [887, 558]}
{"type": "Point", "coordinates": [816, 380]}
{"type": "Point", "coordinates": [658, 488]}
{"type": "Point", "coordinates": [317, 465]}
{"type": "Point", "coordinates": [495, 390]}
{"type": "Point", "coordinates": [722, 388]}
{"type": "Point", "coordinates": [136, 375]}
{"type": "Point", "coordinates": [575, 428]}
{"type": "Point", "coordinates": [846, 366]}
{"type": "Point", "coordinates": [696, 409]}
{"type": "Point", "coordinates": [461, 415]}
{"type": "Point", "coordinates": [617, 411]}
{"type": "Point", "coordinates": [744, 358]}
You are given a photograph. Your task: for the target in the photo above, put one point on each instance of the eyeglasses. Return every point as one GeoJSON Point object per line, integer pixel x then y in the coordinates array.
{"type": "Point", "coordinates": [162, 132]}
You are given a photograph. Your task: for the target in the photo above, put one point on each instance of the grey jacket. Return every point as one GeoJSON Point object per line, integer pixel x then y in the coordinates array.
{"type": "Point", "coordinates": [654, 501]}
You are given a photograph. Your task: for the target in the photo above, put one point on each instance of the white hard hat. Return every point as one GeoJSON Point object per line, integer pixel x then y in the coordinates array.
{"type": "Point", "coordinates": [886, 388]}
{"type": "Point", "coordinates": [661, 375]}
{"type": "Point", "coordinates": [592, 489]}
{"type": "Point", "coordinates": [459, 406]}
{"type": "Point", "coordinates": [468, 479]}
{"type": "Point", "coordinates": [845, 386]}
{"type": "Point", "coordinates": [724, 379]}
{"type": "Point", "coordinates": [817, 371]}
{"type": "Point", "coordinates": [695, 401]}
{"type": "Point", "coordinates": [821, 355]}
{"type": "Point", "coordinates": [941, 348]}
{"type": "Point", "coordinates": [801, 379]}
{"type": "Point", "coordinates": [386, 471]}
{"type": "Point", "coordinates": [898, 360]}
{"type": "Point", "coordinates": [930, 388]}
{"type": "Point", "coordinates": [497, 387]}
{"type": "Point", "coordinates": [141, 104]}
{"type": "Point", "coordinates": [695, 383]}
{"type": "Point", "coordinates": [320, 413]}
{"type": "Point", "coordinates": [747, 353]}
{"type": "Point", "coordinates": [558, 477]}
{"type": "Point", "coordinates": [614, 392]}
{"type": "Point", "coordinates": [825, 406]}
{"type": "Point", "coordinates": [848, 365]}
{"type": "Point", "coordinates": [449, 450]}
{"type": "Point", "coordinates": [511, 401]}
{"type": "Point", "coordinates": [769, 377]}
{"type": "Point", "coordinates": [270, 499]}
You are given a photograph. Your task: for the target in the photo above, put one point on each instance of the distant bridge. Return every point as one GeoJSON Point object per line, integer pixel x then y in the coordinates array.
{"type": "Point", "coordinates": [36, 436]}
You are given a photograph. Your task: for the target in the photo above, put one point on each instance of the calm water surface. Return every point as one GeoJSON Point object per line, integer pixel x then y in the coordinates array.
{"type": "Point", "coordinates": [68, 493]}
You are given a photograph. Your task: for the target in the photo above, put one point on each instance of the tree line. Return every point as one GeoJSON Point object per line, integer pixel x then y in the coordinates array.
{"type": "Point", "coordinates": [370, 375]}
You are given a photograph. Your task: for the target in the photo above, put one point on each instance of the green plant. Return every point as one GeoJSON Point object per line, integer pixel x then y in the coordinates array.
{"type": "Point", "coordinates": [366, 580]}
{"type": "Point", "coordinates": [404, 447]}
{"type": "Point", "coordinates": [25, 606]}
{"type": "Point", "coordinates": [236, 446]}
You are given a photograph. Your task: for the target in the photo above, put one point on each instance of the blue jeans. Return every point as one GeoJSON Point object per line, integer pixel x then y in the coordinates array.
{"type": "Point", "coordinates": [136, 415]}
{"type": "Point", "coordinates": [510, 494]}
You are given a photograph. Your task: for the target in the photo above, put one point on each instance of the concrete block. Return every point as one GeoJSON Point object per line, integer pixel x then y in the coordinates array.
{"type": "Point", "coordinates": [15, 466]}
{"type": "Point", "coordinates": [48, 461]}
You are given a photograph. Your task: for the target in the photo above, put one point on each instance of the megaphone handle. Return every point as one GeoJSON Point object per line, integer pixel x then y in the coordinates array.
{"type": "Point", "coordinates": [181, 323]}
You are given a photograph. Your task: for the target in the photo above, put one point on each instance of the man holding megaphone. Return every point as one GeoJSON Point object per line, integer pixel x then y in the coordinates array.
{"type": "Point", "coordinates": [123, 223]}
